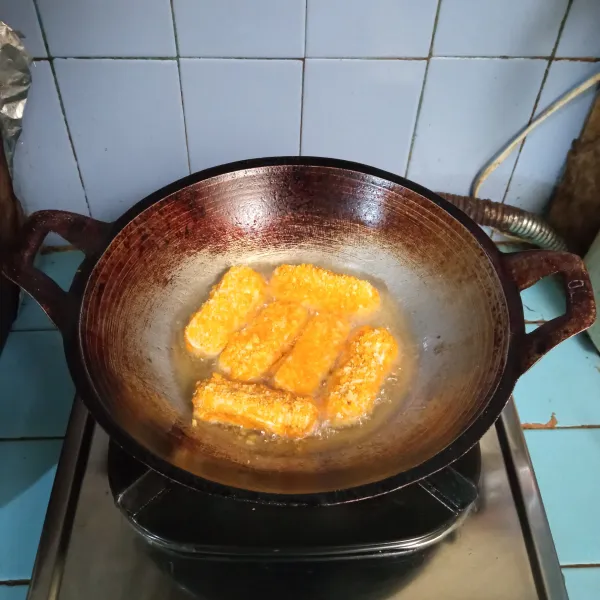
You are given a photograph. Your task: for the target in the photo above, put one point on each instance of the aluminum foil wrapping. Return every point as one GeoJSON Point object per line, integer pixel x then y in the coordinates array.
{"type": "Point", "coordinates": [15, 81]}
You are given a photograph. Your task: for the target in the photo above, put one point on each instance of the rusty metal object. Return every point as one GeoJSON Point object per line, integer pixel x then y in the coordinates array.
{"type": "Point", "coordinates": [84, 233]}
{"type": "Point", "coordinates": [527, 268]}
{"type": "Point", "coordinates": [575, 208]}
{"type": "Point", "coordinates": [10, 219]}
{"type": "Point", "coordinates": [508, 219]}
{"type": "Point", "coordinates": [551, 424]}
{"type": "Point", "coordinates": [145, 273]}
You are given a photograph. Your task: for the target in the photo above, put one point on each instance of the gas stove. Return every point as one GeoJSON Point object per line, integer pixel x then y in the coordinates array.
{"type": "Point", "coordinates": [116, 530]}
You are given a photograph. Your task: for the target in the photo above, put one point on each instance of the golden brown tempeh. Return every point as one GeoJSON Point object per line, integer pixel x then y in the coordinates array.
{"type": "Point", "coordinates": [366, 360]}
{"type": "Point", "coordinates": [313, 355]}
{"type": "Point", "coordinates": [321, 289]}
{"type": "Point", "coordinates": [254, 406]}
{"type": "Point", "coordinates": [252, 351]}
{"type": "Point", "coordinates": [231, 303]}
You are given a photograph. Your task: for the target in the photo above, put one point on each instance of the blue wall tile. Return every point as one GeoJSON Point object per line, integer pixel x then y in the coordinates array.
{"type": "Point", "coordinates": [22, 17]}
{"type": "Point", "coordinates": [471, 108]}
{"type": "Point", "coordinates": [544, 300]}
{"type": "Point", "coordinates": [580, 36]}
{"type": "Point", "coordinates": [237, 28]}
{"type": "Point", "coordinates": [583, 584]}
{"type": "Point", "coordinates": [126, 119]}
{"type": "Point", "coordinates": [16, 592]}
{"type": "Point", "coordinates": [37, 391]}
{"type": "Point", "coordinates": [545, 151]}
{"type": "Point", "coordinates": [45, 171]}
{"type": "Point", "coordinates": [361, 110]}
{"type": "Point", "coordinates": [59, 266]}
{"type": "Point", "coordinates": [238, 109]}
{"type": "Point", "coordinates": [492, 28]}
{"type": "Point", "coordinates": [369, 28]}
{"type": "Point", "coordinates": [566, 382]}
{"type": "Point", "coordinates": [108, 28]}
{"type": "Point", "coordinates": [566, 463]}
{"type": "Point", "coordinates": [27, 472]}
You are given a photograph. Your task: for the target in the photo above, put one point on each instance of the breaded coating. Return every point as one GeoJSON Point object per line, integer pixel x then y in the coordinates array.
{"type": "Point", "coordinates": [254, 406]}
{"type": "Point", "coordinates": [366, 360]}
{"type": "Point", "coordinates": [313, 355]}
{"type": "Point", "coordinates": [320, 289]}
{"type": "Point", "coordinates": [231, 303]}
{"type": "Point", "coordinates": [252, 351]}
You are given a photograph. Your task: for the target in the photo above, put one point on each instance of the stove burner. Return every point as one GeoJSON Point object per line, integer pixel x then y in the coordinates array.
{"type": "Point", "coordinates": [503, 548]}
{"type": "Point", "coordinates": [219, 548]}
{"type": "Point", "coordinates": [183, 520]}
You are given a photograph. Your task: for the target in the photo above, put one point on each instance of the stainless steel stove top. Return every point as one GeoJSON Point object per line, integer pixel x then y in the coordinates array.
{"type": "Point", "coordinates": [503, 550]}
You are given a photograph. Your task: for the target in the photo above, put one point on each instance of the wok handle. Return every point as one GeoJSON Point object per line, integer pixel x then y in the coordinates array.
{"type": "Point", "coordinates": [86, 234]}
{"type": "Point", "coordinates": [527, 268]}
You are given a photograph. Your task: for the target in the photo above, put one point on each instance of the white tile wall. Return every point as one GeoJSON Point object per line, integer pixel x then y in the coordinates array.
{"type": "Point", "coordinates": [581, 36]}
{"type": "Point", "coordinates": [369, 28]}
{"type": "Point", "coordinates": [498, 28]}
{"type": "Point", "coordinates": [470, 109]}
{"type": "Point", "coordinates": [21, 15]}
{"type": "Point", "coordinates": [108, 27]}
{"type": "Point", "coordinates": [240, 28]}
{"type": "Point", "coordinates": [45, 171]}
{"type": "Point", "coordinates": [362, 110]}
{"type": "Point", "coordinates": [238, 109]}
{"type": "Point", "coordinates": [543, 156]}
{"type": "Point", "coordinates": [126, 121]}
{"type": "Point", "coordinates": [264, 77]}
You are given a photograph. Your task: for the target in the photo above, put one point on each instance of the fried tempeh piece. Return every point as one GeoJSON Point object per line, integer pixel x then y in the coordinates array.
{"type": "Point", "coordinates": [231, 303]}
{"type": "Point", "coordinates": [366, 360]}
{"type": "Point", "coordinates": [254, 406]}
{"type": "Point", "coordinates": [321, 289]}
{"type": "Point", "coordinates": [313, 355]}
{"type": "Point", "coordinates": [252, 351]}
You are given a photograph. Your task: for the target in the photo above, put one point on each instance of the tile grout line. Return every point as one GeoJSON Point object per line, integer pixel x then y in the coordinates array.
{"type": "Point", "coordinates": [303, 75]}
{"type": "Point", "coordinates": [539, 96]}
{"type": "Point", "coordinates": [115, 58]}
{"type": "Point", "coordinates": [422, 94]}
{"type": "Point", "coordinates": [590, 59]}
{"type": "Point", "coordinates": [176, 58]}
{"type": "Point", "coordinates": [301, 108]}
{"type": "Point", "coordinates": [47, 250]}
{"type": "Point", "coordinates": [370, 58]}
{"type": "Point", "coordinates": [38, 15]}
{"type": "Point", "coordinates": [33, 438]}
{"type": "Point", "coordinates": [61, 103]}
{"type": "Point", "coordinates": [185, 129]}
{"type": "Point", "coordinates": [559, 427]}
{"type": "Point", "coordinates": [36, 330]}
{"type": "Point", "coordinates": [14, 582]}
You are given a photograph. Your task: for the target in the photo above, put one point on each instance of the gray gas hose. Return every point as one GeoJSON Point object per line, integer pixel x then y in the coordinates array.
{"type": "Point", "coordinates": [508, 219]}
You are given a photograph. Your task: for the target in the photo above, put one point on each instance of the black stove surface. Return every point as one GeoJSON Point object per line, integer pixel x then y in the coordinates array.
{"type": "Point", "coordinates": [185, 520]}
{"type": "Point", "coordinates": [91, 549]}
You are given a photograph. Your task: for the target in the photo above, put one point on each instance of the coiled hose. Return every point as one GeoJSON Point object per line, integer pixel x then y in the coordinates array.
{"type": "Point", "coordinates": [508, 219]}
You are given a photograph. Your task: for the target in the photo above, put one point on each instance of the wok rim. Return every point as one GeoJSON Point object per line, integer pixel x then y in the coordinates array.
{"type": "Point", "coordinates": [462, 444]}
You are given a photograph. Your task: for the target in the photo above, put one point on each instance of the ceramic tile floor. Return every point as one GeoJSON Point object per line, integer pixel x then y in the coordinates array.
{"type": "Point", "coordinates": [37, 394]}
